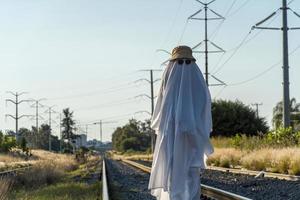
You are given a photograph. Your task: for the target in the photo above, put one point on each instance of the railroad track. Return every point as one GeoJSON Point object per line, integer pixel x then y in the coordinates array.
{"type": "Point", "coordinates": [207, 191]}
{"type": "Point", "coordinates": [257, 173]}
{"type": "Point", "coordinates": [248, 172]}
{"type": "Point", "coordinates": [13, 172]}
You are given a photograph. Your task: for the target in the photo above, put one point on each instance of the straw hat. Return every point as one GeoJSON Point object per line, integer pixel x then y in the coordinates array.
{"type": "Point", "coordinates": [182, 52]}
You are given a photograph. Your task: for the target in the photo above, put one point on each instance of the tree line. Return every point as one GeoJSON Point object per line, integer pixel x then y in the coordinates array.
{"type": "Point", "coordinates": [229, 119]}
{"type": "Point", "coordinates": [41, 137]}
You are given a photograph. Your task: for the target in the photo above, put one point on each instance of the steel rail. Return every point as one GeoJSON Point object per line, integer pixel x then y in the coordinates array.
{"type": "Point", "coordinates": [13, 171]}
{"type": "Point", "coordinates": [256, 173]}
{"type": "Point", "coordinates": [206, 190]}
{"type": "Point", "coordinates": [105, 195]}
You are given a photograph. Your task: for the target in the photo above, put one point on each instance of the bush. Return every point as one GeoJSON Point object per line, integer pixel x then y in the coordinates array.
{"type": "Point", "coordinates": [81, 154]}
{"type": "Point", "coordinates": [295, 165]}
{"type": "Point", "coordinates": [135, 135]}
{"type": "Point", "coordinates": [7, 143]}
{"type": "Point", "coordinates": [23, 146]}
{"type": "Point", "coordinates": [230, 118]}
{"type": "Point", "coordinates": [283, 137]}
{"type": "Point", "coordinates": [43, 172]}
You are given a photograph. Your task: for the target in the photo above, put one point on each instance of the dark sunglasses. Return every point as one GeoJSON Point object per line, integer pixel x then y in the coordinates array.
{"type": "Point", "coordinates": [181, 61]}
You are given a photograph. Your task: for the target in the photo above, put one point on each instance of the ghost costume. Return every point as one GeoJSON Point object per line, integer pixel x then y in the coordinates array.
{"type": "Point", "coordinates": [182, 122]}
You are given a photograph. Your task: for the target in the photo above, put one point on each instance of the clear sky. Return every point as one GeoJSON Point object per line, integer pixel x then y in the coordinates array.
{"type": "Point", "coordinates": [85, 54]}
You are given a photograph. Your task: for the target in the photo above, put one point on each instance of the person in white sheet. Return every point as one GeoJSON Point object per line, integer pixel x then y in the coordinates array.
{"type": "Point", "coordinates": [182, 123]}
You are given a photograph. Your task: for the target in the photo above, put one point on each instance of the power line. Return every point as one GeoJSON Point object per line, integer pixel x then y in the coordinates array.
{"type": "Point", "coordinates": [173, 23]}
{"type": "Point", "coordinates": [238, 9]}
{"type": "Point", "coordinates": [206, 41]}
{"type": "Point", "coordinates": [17, 102]}
{"type": "Point", "coordinates": [183, 32]}
{"type": "Point", "coordinates": [107, 91]}
{"type": "Point", "coordinates": [101, 126]}
{"type": "Point", "coordinates": [50, 111]}
{"type": "Point", "coordinates": [290, 2]}
{"type": "Point", "coordinates": [219, 93]}
{"type": "Point", "coordinates": [263, 72]}
{"type": "Point", "coordinates": [214, 33]}
{"type": "Point", "coordinates": [110, 104]}
{"type": "Point", "coordinates": [244, 41]}
{"type": "Point", "coordinates": [118, 77]}
{"type": "Point", "coordinates": [151, 82]}
{"type": "Point", "coordinates": [286, 83]}
{"type": "Point", "coordinates": [37, 104]}
{"type": "Point", "coordinates": [257, 110]}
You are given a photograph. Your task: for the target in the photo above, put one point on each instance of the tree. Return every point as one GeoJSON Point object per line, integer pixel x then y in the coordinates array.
{"type": "Point", "coordinates": [68, 125]}
{"type": "Point", "coordinates": [43, 137]}
{"type": "Point", "coordinates": [135, 136]}
{"type": "Point", "coordinates": [232, 117]}
{"type": "Point", "coordinates": [295, 114]}
{"type": "Point", "coordinates": [7, 142]}
{"type": "Point", "coordinates": [29, 136]}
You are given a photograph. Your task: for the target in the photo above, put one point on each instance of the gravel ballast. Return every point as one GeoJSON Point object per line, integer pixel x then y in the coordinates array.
{"type": "Point", "coordinates": [127, 183]}
{"type": "Point", "coordinates": [249, 186]}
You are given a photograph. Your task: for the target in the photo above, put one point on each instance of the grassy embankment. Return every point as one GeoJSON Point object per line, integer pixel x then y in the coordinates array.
{"type": "Point", "coordinates": [55, 176]}
{"type": "Point", "coordinates": [252, 153]}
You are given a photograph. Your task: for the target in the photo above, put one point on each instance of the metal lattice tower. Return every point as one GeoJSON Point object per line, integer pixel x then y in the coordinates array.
{"type": "Point", "coordinates": [206, 41]}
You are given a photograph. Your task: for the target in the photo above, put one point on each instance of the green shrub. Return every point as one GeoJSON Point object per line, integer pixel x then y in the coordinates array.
{"type": "Point", "coordinates": [81, 154]}
{"type": "Point", "coordinates": [7, 143]}
{"type": "Point", "coordinates": [283, 137]}
{"type": "Point", "coordinates": [232, 117]}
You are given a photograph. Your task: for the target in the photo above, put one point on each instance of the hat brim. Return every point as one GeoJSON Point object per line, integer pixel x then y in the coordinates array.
{"type": "Point", "coordinates": [181, 57]}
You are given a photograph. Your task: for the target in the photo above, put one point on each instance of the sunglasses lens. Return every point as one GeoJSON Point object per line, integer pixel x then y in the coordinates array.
{"type": "Point", "coordinates": [180, 62]}
{"type": "Point", "coordinates": [188, 62]}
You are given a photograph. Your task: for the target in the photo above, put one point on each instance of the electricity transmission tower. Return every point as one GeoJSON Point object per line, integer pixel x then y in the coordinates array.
{"type": "Point", "coordinates": [151, 82]}
{"type": "Point", "coordinates": [50, 111]}
{"type": "Point", "coordinates": [86, 129]}
{"type": "Point", "coordinates": [36, 105]}
{"type": "Point", "coordinates": [284, 29]}
{"type": "Point", "coordinates": [17, 101]}
{"type": "Point", "coordinates": [257, 105]}
{"type": "Point", "coordinates": [206, 41]}
{"type": "Point", "coordinates": [60, 133]}
{"type": "Point", "coordinates": [152, 97]}
{"type": "Point", "coordinates": [101, 127]}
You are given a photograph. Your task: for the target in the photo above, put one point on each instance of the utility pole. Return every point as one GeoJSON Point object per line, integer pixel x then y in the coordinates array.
{"type": "Point", "coordinates": [257, 105]}
{"type": "Point", "coordinates": [206, 40]}
{"type": "Point", "coordinates": [50, 111]}
{"type": "Point", "coordinates": [37, 116]}
{"type": "Point", "coordinates": [151, 82]}
{"type": "Point", "coordinates": [37, 104]}
{"type": "Point", "coordinates": [101, 127]}
{"type": "Point", "coordinates": [60, 133]}
{"type": "Point", "coordinates": [86, 129]}
{"type": "Point", "coordinates": [17, 102]}
{"type": "Point", "coordinates": [285, 54]}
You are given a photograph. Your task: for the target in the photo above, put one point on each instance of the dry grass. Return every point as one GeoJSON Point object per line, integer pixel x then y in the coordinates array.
{"type": "Point", "coordinates": [280, 160]}
{"type": "Point", "coordinates": [43, 172]}
{"type": "Point", "coordinates": [147, 157]}
{"type": "Point", "coordinates": [5, 186]}
{"type": "Point", "coordinates": [7, 158]}
{"type": "Point", "coordinates": [50, 168]}
{"type": "Point", "coordinates": [65, 162]}
{"type": "Point", "coordinates": [285, 160]}
{"type": "Point", "coordinates": [221, 142]}
{"type": "Point", "coordinates": [225, 157]}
